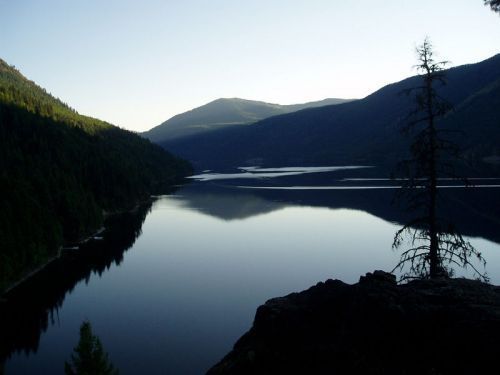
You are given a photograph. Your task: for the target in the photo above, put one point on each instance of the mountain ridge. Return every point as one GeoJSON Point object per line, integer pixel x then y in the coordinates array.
{"type": "Point", "coordinates": [225, 112]}
{"type": "Point", "coordinates": [60, 171]}
{"type": "Point", "coordinates": [364, 131]}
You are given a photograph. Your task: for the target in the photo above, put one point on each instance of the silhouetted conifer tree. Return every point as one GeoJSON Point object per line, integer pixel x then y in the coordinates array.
{"type": "Point", "coordinates": [494, 5]}
{"type": "Point", "coordinates": [89, 357]}
{"type": "Point", "coordinates": [435, 245]}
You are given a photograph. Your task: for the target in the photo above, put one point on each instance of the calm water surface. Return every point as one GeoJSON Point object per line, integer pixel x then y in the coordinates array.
{"type": "Point", "coordinates": [176, 295]}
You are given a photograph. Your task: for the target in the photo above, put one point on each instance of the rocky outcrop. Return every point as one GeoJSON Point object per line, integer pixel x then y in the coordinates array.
{"type": "Point", "coordinates": [445, 326]}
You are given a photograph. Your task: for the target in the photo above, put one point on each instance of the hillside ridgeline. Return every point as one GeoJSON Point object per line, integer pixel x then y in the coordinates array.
{"type": "Point", "coordinates": [224, 113]}
{"type": "Point", "coordinates": [59, 172]}
{"type": "Point", "coordinates": [361, 132]}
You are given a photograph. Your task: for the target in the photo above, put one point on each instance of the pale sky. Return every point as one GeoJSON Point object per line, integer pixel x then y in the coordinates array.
{"type": "Point", "coordinates": [137, 63]}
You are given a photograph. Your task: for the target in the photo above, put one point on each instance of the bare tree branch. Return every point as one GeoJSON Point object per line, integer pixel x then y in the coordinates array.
{"type": "Point", "coordinates": [493, 4]}
{"type": "Point", "coordinates": [435, 244]}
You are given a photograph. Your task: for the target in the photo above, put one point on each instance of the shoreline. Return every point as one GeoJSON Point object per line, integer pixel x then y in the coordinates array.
{"type": "Point", "coordinates": [60, 252]}
{"type": "Point", "coordinates": [71, 246]}
{"type": "Point", "coordinates": [29, 274]}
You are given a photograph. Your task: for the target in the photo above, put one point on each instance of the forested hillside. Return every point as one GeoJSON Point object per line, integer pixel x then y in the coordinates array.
{"type": "Point", "coordinates": [225, 113]}
{"type": "Point", "coordinates": [365, 131]}
{"type": "Point", "coordinates": [59, 171]}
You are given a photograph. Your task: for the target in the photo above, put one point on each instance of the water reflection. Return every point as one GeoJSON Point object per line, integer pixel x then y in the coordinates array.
{"type": "Point", "coordinates": [209, 255]}
{"type": "Point", "coordinates": [32, 307]}
{"type": "Point", "coordinates": [265, 173]}
{"type": "Point", "coordinates": [476, 211]}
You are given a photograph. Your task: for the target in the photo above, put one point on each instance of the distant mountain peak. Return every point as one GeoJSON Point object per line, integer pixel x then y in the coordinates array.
{"type": "Point", "coordinates": [365, 131]}
{"type": "Point", "coordinates": [225, 112]}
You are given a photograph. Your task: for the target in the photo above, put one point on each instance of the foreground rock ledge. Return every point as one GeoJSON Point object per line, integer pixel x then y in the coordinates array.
{"type": "Point", "coordinates": [445, 326]}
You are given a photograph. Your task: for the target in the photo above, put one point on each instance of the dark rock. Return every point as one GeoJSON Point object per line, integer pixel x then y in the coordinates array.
{"type": "Point", "coordinates": [444, 326]}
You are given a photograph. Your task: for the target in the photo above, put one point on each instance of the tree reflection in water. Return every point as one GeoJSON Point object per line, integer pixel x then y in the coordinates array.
{"type": "Point", "coordinates": [29, 309]}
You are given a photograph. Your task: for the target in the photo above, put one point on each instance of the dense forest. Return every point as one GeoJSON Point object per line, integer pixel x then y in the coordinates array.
{"type": "Point", "coordinates": [361, 132]}
{"type": "Point", "coordinates": [60, 172]}
{"type": "Point", "coordinates": [225, 113]}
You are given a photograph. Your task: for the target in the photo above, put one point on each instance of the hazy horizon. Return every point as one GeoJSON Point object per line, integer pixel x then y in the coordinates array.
{"type": "Point", "coordinates": [137, 65]}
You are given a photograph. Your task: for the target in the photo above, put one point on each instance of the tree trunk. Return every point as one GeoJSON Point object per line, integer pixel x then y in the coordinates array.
{"type": "Point", "coordinates": [434, 266]}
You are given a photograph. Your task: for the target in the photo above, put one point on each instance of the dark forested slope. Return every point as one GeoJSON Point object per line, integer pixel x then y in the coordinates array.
{"type": "Point", "coordinates": [223, 113]}
{"type": "Point", "coordinates": [59, 171]}
{"type": "Point", "coordinates": [365, 131]}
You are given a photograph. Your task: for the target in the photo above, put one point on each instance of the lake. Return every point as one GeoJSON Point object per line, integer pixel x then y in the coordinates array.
{"type": "Point", "coordinates": [173, 285]}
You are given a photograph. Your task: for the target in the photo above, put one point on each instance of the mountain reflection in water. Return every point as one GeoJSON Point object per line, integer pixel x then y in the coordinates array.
{"type": "Point", "coordinates": [209, 255]}
{"type": "Point", "coordinates": [475, 210]}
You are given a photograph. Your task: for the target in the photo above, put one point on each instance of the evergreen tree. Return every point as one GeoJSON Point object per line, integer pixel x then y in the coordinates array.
{"type": "Point", "coordinates": [59, 171]}
{"type": "Point", "coordinates": [435, 244]}
{"type": "Point", "coordinates": [89, 357]}
{"type": "Point", "coordinates": [494, 5]}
